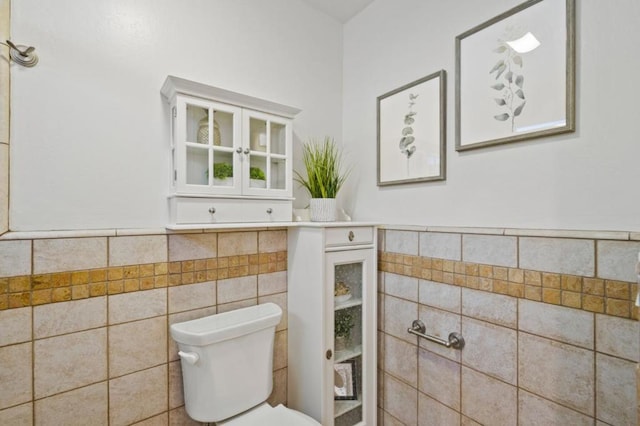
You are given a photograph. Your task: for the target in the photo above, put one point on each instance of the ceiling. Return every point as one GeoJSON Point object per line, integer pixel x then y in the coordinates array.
{"type": "Point", "coordinates": [342, 10]}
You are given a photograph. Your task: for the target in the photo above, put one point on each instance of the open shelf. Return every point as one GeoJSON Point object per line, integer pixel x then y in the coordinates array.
{"type": "Point", "coordinates": [344, 406]}
{"type": "Point", "coordinates": [349, 303]}
{"type": "Point", "coordinates": [348, 353]}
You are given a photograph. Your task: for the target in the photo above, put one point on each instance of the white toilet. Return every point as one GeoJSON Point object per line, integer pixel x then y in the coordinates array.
{"type": "Point", "coordinates": [227, 368]}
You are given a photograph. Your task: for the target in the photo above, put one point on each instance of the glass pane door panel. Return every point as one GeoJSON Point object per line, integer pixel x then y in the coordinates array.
{"type": "Point", "coordinates": [278, 177]}
{"type": "Point", "coordinates": [258, 135]}
{"type": "Point", "coordinates": [278, 138]}
{"type": "Point", "coordinates": [223, 172]}
{"type": "Point", "coordinates": [348, 343]}
{"type": "Point", "coordinates": [348, 328]}
{"type": "Point", "coordinates": [197, 124]}
{"type": "Point", "coordinates": [350, 274]}
{"type": "Point", "coordinates": [348, 301]}
{"type": "Point", "coordinates": [197, 165]}
{"type": "Point", "coordinates": [258, 172]}
{"type": "Point", "coordinates": [223, 129]}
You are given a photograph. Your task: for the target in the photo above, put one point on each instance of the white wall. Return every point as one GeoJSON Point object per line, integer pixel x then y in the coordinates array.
{"type": "Point", "coordinates": [89, 132]}
{"type": "Point", "coordinates": [583, 180]}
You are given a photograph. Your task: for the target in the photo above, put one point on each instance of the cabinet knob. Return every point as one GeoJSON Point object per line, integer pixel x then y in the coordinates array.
{"type": "Point", "coordinates": [247, 150]}
{"type": "Point", "coordinates": [212, 210]}
{"type": "Point", "coordinates": [329, 354]}
{"type": "Point", "coordinates": [239, 150]}
{"type": "Point", "coordinates": [269, 210]}
{"type": "Point", "coordinates": [351, 236]}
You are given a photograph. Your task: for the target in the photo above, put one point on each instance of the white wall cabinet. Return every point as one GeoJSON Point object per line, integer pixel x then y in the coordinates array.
{"type": "Point", "coordinates": [320, 256]}
{"type": "Point", "coordinates": [226, 148]}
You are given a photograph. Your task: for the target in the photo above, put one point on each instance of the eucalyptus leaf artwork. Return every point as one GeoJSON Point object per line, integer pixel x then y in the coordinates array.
{"type": "Point", "coordinates": [407, 139]}
{"type": "Point", "coordinates": [407, 133]}
{"type": "Point", "coordinates": [516, 75]}
{"type": "Point", "coordinates": [411, 131]}
{"type": "Point", "coordinates": [509, 82]}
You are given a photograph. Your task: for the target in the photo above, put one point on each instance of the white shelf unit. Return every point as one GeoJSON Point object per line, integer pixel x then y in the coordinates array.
{"type": "Point", "coordinates": [318, 257]}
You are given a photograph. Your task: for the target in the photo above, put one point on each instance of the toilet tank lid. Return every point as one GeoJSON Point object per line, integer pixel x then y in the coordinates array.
{"type": "Point", "coordinates": [228, 325]}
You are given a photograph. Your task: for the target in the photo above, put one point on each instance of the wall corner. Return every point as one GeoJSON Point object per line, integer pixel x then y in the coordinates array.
{"type": "Point", "coordinates": [5, 88]}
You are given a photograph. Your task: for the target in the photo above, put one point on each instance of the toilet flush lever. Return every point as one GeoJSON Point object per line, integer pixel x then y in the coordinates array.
{"type": "Point", "coordinates": [190, 357]}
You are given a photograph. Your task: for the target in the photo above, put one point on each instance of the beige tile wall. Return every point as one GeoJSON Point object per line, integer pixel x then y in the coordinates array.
{"type": "Point", "coordinates": [527, 360]}
{"type": "Point", "coordinates": [589, 274]}
{"type": "Point", "coordinates": [100, 334]}
{"type": "Point", "coordinates": [96, 349]}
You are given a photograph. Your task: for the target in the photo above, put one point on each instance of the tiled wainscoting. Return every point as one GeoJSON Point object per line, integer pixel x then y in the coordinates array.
{"type": "Point", "coordinates": [84, 321]}
{"type": "Point", "coordinates": [550, 328]}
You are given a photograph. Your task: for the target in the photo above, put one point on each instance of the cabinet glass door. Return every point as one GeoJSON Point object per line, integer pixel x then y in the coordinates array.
{"type": "Point", "coordinates": [352, 307]}
{"type": "Point", "coordinates": [206, 147]}
{"type": "Point", "coordinates": [268, 147]}
{"type": "Point", "coordinates": [197, 151]}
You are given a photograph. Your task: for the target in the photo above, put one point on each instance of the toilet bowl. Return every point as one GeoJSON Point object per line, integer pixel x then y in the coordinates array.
{"type": "Point", "coordinates": [227, 368]}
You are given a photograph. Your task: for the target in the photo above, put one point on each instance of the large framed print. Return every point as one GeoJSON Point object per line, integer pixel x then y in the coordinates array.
{"type": "Point", "coordinates": [515, 75]}
{"type": "Point", "coordinates": [412, 132]}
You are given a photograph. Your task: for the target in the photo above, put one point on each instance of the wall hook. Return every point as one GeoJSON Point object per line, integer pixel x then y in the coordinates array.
{"type": "Point", "coordinates": [22, 55]}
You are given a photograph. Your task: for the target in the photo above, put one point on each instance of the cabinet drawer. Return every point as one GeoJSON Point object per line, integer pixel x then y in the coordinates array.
{"type": "Point", "coordinates": [349, 236]}
{"type": "Point", "coordinates": [185, 210]}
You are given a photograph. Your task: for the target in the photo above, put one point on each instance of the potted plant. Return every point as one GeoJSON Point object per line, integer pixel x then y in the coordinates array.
{"type": "Point", "coordinates": [343, 323]}
{"type": "Point", "coordinates": [258, 179]}
{"type": "Point", "coordinates": [324, 177]}
{"type": "Point", "coordinates": [223, 171]}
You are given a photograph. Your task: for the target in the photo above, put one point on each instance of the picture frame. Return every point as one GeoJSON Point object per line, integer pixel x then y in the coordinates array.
{"type": "Point", "coordinates": [515, 76]}
{"type": "Point", "coordinates": [344, 380]}
{"type": "Point", "coordinates": [411, 132]}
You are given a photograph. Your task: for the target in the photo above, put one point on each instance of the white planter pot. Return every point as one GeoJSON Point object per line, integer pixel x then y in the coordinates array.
{"type": "Point", "coordinates": [323, 209]}
{"type": "Point", "coordinates": [257, 183]}
{"type": "Point", "coordinates": [223, 182]}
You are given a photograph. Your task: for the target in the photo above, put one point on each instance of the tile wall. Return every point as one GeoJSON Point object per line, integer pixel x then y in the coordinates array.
{"type": "Point", "coordinates": [552, 336]}
{"type": "Point", "coordinates": [550, 328]}
{"type": "Point", "coordinates": [84, 321]}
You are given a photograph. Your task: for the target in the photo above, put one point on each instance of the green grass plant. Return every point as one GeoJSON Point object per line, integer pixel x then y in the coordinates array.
{"type": "Point", "coordinates": [322, 162]}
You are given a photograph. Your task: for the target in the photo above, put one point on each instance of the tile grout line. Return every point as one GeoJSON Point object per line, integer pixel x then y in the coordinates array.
{"type": "Point", "coordinates": [108, 320]}
{"type": "Point", "coordinates": [518, 353]}
{"type": "Point", "coordinates": [595, 367]}
{"type": "Point", "coordinates": [167, 343]}
{"type": "Point", "coordinates": [33, 342]}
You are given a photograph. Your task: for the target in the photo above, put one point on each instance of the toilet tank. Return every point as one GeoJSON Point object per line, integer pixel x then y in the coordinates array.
{"type": "Point", "coordinates": [227, 361]}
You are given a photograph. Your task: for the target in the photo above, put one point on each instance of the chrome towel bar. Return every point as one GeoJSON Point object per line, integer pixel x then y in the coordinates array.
{"type": "Point", "coordinates": [455, 341]}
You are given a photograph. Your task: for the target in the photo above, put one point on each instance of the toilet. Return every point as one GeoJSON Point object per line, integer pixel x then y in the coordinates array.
{"type": "Point", "coordinates": [227, 368]}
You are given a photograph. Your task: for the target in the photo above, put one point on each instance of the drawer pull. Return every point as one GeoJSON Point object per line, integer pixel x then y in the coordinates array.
{"type": "Point", "coordinates": [351, 236]}
{"type": "Point", "coordinates": [269, 210]}
{"type": "Point", "coordinates": [212, 210]}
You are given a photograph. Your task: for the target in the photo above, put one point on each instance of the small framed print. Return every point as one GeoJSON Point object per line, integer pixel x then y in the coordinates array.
{"type": "Point", "coordinates": [344, 380]}
{"type": "Point", "coordinates": [412, 132]}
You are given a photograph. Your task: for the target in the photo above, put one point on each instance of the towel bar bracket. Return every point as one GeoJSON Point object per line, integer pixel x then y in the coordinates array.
{"type": "Point", "coordinates": [455, 341]}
